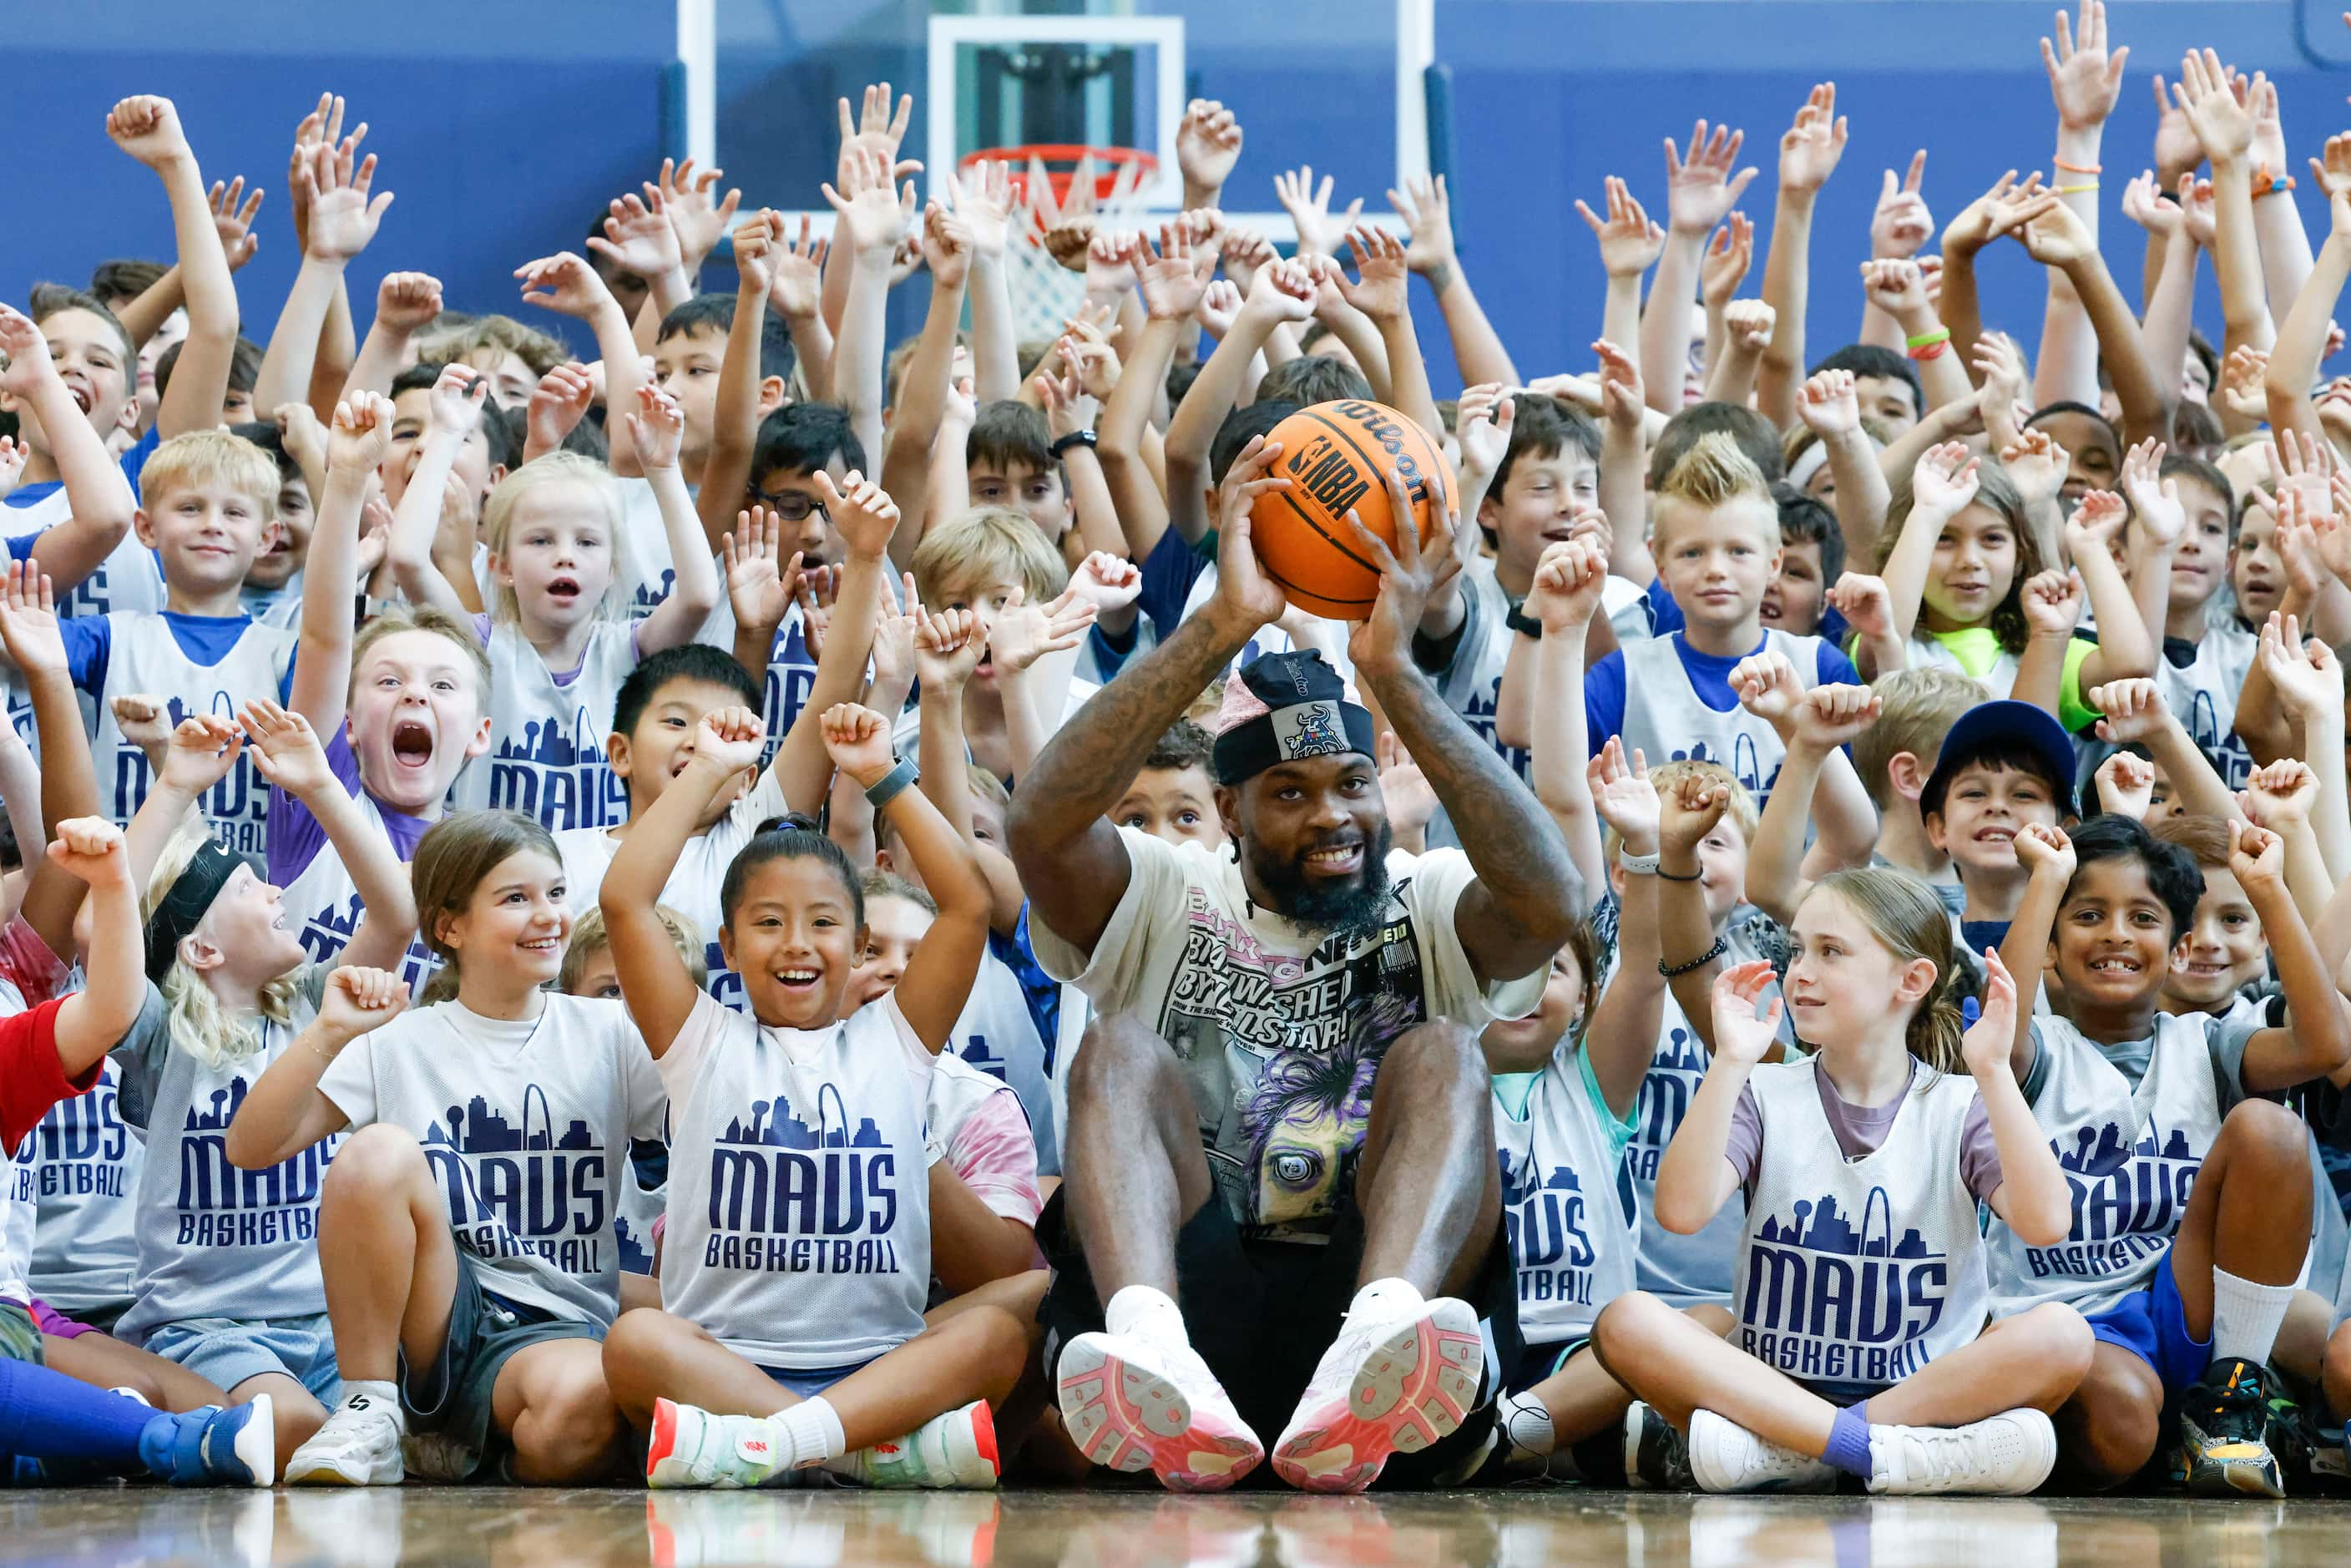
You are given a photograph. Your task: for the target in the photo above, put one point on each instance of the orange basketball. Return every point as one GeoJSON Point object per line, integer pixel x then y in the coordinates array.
{"type": "Point", "coordinates": [1336, 457]}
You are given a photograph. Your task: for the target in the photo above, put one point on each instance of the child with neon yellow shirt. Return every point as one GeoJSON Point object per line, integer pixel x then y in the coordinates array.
{"type": "Point", "coordinates": [1958, 575]}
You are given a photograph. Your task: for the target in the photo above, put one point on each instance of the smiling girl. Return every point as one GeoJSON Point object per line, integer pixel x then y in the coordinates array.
{"type": "Point", "coordinates": [798, 1251]}
{"type": "Point", "coordinates": [465, 1228]}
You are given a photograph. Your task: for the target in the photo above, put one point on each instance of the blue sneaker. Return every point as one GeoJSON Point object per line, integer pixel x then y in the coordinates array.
{"type": "Point", "coordinates": [212, 1447]}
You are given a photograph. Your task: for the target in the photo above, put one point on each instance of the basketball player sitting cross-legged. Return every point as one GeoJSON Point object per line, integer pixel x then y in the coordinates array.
{"type": "Point", "coordinates": [1282, 1118]}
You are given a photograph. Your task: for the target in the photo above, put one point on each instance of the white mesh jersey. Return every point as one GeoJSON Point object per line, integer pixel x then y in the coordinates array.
{"type": "Point", "coordinates": [1855, 1273]}
{"type": "Point", "coordinates": [1567, 1203]}
{"type": "Point", "coordinates": [147, 658]}
{"type": "Point", "coordinates": [546, 741]}
{"type": "Point", "coordinates": [799, 1211]}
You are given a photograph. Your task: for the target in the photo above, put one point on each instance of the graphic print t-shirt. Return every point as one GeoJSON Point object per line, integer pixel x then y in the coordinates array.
{"type": "Point", "coordinates": [1280, 1030]}
{"type": "Point", "coordinates": [525, 1124]}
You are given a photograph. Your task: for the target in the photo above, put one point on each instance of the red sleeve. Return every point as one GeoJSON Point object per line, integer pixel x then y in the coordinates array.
{"type": "Point", "coordinates": [32, 1079]}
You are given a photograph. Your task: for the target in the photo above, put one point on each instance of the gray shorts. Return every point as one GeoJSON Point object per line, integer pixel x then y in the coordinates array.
{"type": "Point", "coordinates": [226, 1352]}
{"type": "Point", "coordinates": [452, 1399]}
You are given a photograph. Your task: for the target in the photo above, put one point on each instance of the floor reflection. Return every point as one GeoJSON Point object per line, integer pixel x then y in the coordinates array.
{"type": "Point", "coordinates": [1146, 1529]}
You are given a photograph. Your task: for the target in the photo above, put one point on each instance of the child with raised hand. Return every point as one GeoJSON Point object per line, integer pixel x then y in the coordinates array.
{"type": "Point", "coordinates": [1716, 533]}
{"type": "Point", "coordinates": [208, 504]}
{"type": "Point", "coordinates": [794, 1334]}
{"type": "Point", "coordinates": [71, 506]}
{"type": "Point", "coordinates": [52, 1053]}
{"type": "Point", "coordinates": [555, 658]}
{"type": "Point", "coordinates": [1545, 480]}
{"type": "Point", "coordinates": [1898, 1120]}
{"type": "Point", "coordinates": [2184, 1296]}
{"type": "Point", "coordinates": [227, 1275]}
{"type": "Point", "coordinates": [1818, 784]}
{"type": "Point", "coordinates": [400, 705]}
{"type": "Point", "coordinates": [658, 712]}
{"type": "Point", "coordinates": [1962, 553]}
{"type": "Point", "coordinates": [1706, 824]}
{"type": "Point", "coordinates": [447, 1267]}
{"type": "Point", "coordinates": [1567, 1080]}
{"type": "Point", "coordinates": [2183, 511]}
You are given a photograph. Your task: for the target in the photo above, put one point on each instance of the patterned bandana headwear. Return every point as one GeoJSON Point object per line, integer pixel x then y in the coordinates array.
{"type": "Point", "coordinates": [1281, 708]}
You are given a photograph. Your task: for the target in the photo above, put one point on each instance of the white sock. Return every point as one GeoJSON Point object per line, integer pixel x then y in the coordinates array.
{"type": "Point", "coordinates": [2245, 1317]}
{"type": "Point", "coordinates": [807, 1433]}
{"type": "Point", "coordinates": [374, 1393]}
{"type": "Point", "coordinates": [1386, 1298]}
{"type": "Point", "coordinates": [1527, 1420]}
{"type": "Point", "coordinates": [1149, 1313]}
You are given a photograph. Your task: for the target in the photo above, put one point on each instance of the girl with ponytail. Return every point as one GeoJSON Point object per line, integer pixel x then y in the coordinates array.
{"type": "Point", "coordinates": [1861, 1292]}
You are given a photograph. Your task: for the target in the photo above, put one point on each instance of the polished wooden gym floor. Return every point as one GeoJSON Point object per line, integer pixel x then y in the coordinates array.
{"type": "Point", "coordinates": [1068, 1528]}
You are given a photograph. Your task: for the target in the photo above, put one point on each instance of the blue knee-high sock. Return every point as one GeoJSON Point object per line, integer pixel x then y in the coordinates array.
{"type": "Point", "coordinates": [1849, 1441]}
{"type": "Point", "coordinates": [48, 1416]}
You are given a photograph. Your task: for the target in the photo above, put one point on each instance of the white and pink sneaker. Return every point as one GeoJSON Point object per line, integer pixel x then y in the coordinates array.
{"type": "Point", "coordinates": [1133, 1403]}
{"type": "Point", "coordinates": [1388, 1385]}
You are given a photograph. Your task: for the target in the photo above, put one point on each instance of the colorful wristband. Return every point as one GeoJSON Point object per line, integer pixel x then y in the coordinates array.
{"type": "Point", "coordinates": [1927, 340]}
{"type": "Point", "coordinates": [2077, 190]}
{"type": "Point", "coordinates": [2078, 168]}
{"type": "Point", "coordinates": [2266, 186]}
{"type": "Point", "coordinates": [1931, 351]}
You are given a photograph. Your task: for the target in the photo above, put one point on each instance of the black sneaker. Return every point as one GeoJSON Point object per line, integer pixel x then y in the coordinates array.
{"type": "Point", "coordinates": [1656, 1455]}
{"type": "Point", "coordinates": [2224, 1434]}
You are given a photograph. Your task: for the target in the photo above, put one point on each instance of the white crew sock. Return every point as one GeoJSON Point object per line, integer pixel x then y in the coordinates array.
{"type": "Point", "coordinates": [1527, 1420]}
{"type": "Point", "coordinates": [2245, 1317]}
{"type": "Point", "coordinates": [1388, 1298]}
{"type": "Point", "coordinates": [807, 1433]}
{"type": "Point", "coordinates": [1148, 1314]}
{"type": "Point", "coordinates": [378, 1395]}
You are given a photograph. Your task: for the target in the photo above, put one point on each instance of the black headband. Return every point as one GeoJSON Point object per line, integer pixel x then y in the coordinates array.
{"type": "Point", "coordinates": [1325, 726]}
{"type": "Point", "coordinates": [181, 909]}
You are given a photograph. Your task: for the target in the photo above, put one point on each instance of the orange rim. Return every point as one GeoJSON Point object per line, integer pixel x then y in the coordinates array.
{"type": "Point", "coordinates": [1060, 160]}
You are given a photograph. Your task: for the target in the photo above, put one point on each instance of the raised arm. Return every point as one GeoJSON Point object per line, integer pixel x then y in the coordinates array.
{"type": "Point", "coordinates": [1831, 410]}
{"type": "Point", "coordinates": [149, 129]}
{"type": "Point", "coordinates": [1747, 329]}
{"type": "Point", "coordinates": [343, 219]}
{"type": "Point", "coordinates": [657, 430]}
{"type": "Point", "coordinates": [1698, 195]}
{"type": "Point", "coordinates": [1808, 156]}
{"type": "Point", "coordinates": [565, 284]}
{"type": "Point", "coordinates": [100, 503]}
{"type": "Point", "coordinates": [1427, 212]}
{"type": "Point", "coordinates": [2225, 126]}
{"type": "Point", "coordinates": [2047, 856]}
{"type": "Point", "coordinates": [735, 417]}
{"type": "Point", "coordinates": [1630, 242]}
{"type": "Point", "coordinates": [1941, 487]}
{"type": "Point", "coordinates": [2033, 1198]}
{"type": "Point", "coordinates": [96, 1018]}
{"type": "Point", "coordinates": [1995, 213]}
{"type": "Point", "coordinates": [2308, 683]}
{"type": "Point", "coordinates": [1521, 908]}
{"type": "Point", "coordinates": [1064, 846]}
{"type": "Point", "coordinates": [1384, 295]}
{"type": "Point", "coordinates": [1815, 725]}
{"type": "Point", "coordinates": [28, 626]}
{"type": "Point", "coordinates": [916, 421]}
{"type": "Point", "coordinates": [2127, 647]}
{"type": "Point", "coordinates": [1563, 599]}
{"type": "Point", "coordinates": [868, 222]}
{"type": "Point", "coordinates": [330, 574]}
{"type": "Point", "coordinates": [405, 304]}
{"type": "Point", "coordinates": [2318, 1041]}
{"type": "Point", "coordinates": [1623, 1030]}
{"type": "Point", "coordinates": [986, 206]}
{"type": "Point", "coordinates": [2294, 361]}
{"type": "Point", "coordinates": [1285, 291]}
{"type": "Point", "coordinates": [2084, 81]}
{"type": "Point", "coordinates": [286, 1113]}
{"type": "Point", "coordinates": [1695, 1178]}
{"type": "Point", "coordinates": [1897, 291]}
{"type": "Point", "coordinates": [2059, 238]}
{"type": "Point", "coordinates": [286, 752]}
{"type": "Point", "coordinates": [455, 408]}
{"type": "Point", "coordinates": [948, 648]}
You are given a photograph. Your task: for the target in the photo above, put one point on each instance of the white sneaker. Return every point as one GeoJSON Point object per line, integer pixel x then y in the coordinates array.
{"type": "Point", "coordinates": [1387, 1386]}
{"type": "Point", "coordinates": [952, 1452]}
{"type": "Point", "coordinates": [693, 1447]}
{"type": "Point", "coordinates": [1725, 1456]}
{"type": "Point", "coordinates": [2005, 1455]}
{"type": "Point", "coordinates": [357, 1446]}
{"type": "Point", "coordinates": [1132, 1404]}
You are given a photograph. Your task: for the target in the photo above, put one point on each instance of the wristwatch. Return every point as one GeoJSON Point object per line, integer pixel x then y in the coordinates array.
{"type": "Point", "coordinates": [1075, 438]}
{"type": "Point", "coordinates": [1524, 627]}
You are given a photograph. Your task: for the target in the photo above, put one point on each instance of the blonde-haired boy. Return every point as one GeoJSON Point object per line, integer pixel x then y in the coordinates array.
{"type": "Point", "coordinates": [1715, 531]}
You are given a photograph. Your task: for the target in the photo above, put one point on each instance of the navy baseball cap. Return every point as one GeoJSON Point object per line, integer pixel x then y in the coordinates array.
{"type": "Point", "coordinates": [2016, 732]}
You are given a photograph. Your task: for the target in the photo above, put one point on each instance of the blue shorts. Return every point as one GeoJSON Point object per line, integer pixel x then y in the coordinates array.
{"type": "Point", "coordinates": [808, 1382]}
{"type": "Point", "coordinates": [226, 1352]}
{"type": "Point", "coordinates": [2152, 1325]}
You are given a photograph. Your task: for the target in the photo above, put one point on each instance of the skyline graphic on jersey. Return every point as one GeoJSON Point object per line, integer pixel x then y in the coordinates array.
{"type": "Point", "coordinates": [1830, 1232]}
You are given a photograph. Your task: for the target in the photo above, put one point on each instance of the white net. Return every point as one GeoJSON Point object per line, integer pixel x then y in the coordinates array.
{"type": "Point", "coordinates": [1045, 294]}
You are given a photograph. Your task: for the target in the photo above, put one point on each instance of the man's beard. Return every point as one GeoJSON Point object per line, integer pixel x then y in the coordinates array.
{"type": "Point", "coordinates": [1323, 904]}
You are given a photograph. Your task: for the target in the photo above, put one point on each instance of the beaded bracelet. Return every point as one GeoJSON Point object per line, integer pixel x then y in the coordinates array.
{"type": "Point", "coordinates": [1673, 971]}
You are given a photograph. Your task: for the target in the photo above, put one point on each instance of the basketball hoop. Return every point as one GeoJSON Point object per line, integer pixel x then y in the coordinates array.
{"type": "Point", "coordinates": [1061, 162]}
{"type": "Point", "coordinates": [1044, 293]}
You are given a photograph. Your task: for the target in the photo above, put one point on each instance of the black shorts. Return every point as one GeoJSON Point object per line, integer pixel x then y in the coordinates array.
{"type": "Point", "coordinates": [1262, 1314]}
